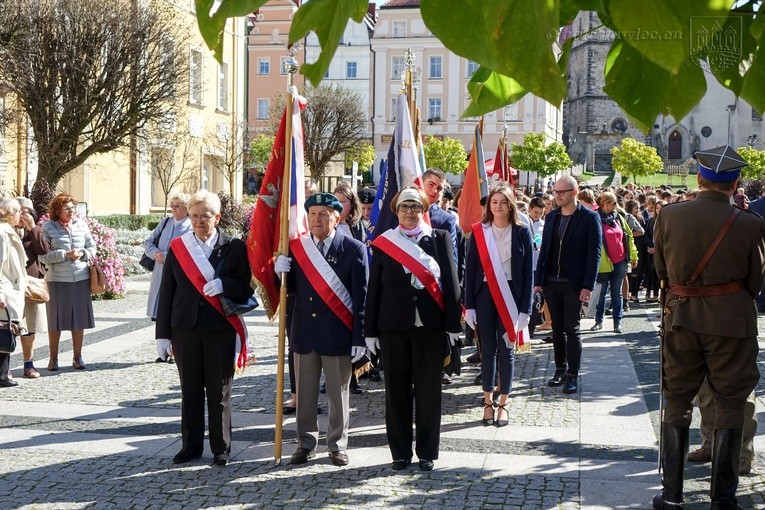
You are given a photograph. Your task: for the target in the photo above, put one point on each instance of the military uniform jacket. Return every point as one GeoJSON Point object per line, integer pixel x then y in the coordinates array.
{"type": "Point", "coordinates": [313, 325]}
{"type": "Point", "coordinates": [682, 236]}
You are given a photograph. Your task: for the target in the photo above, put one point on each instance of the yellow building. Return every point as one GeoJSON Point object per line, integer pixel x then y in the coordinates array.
{"type": "Point", "coordinates": [205, 138]}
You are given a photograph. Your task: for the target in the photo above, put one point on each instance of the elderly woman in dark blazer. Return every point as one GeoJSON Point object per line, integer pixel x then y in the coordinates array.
{"type": "Point", "coordinates": [412, 314]}
{"type": "Point", "coordinates": [500, 250]}
{"type": "Point", "coordinates": [201, 265]}
{"type": "Point", "coordinates": [71, 249]}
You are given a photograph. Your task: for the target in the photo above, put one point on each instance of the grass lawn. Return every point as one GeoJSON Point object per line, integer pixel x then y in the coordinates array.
{"type": "Point", "coordinates": [658, 179]}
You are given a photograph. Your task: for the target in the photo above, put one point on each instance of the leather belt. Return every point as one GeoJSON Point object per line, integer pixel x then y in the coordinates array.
{"type": "Point", "coordinates": [706, 290]}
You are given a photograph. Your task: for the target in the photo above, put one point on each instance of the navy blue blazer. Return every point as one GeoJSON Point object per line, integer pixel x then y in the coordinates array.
{"type": "Point", "coordinates": [313, 325]}
{"type": "Point", "coordinates": [580, 253]}
{"type": "Point", "coordinates": [522, 268]}
{"type": "Point", "coordinates": [758, 206]}
{"type": "Point", "coordinates": [444, 220]}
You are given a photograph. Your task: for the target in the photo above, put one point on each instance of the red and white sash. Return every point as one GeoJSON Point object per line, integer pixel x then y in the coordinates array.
{"type": "Point", "coordinates": [323, 278]}
{"type": "Point", "coordinates": [498, 286]}
{"type": "Point", "coordinates": [413, 258]}
{"type": "Point", "coordinates": [198, 269]}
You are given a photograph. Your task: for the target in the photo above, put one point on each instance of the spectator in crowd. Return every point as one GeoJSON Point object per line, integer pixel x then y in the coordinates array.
{"type": "Point", "coordinates": [639, 233]}
{"type": "Point", "coordinates": [157, 246]}
{"type": "Point", "coordinates": [649, 278]}
{"type": "Point", "coordinates": [587, 198]}
{"type": "Point", "coordinates": [202, 265]}
{"type": "Point", "coordinates": [367, 199]}
{"type": "Point", "coordinates": [541, 316]}
{"type": "Point", "coordinates": [498, 276]}
{"type": "Point", "coordinates": [740, 199]}
{"type": "Point", "coordinates": [12, 278]}
{"type": "Point", "coordinates": [35, 245]}
{"type": "Point", "coordinates": [328, 284]}
{"type": "Point", "coordinates": [71, 250]}
{"type": "Point", "coordinates": [617, 250]}
{"type": "Point", "coordinates": [566, 272]}
{"type": "Point", "coordinates": [311, 187]}
{"type": "Point", "coordinates": [413, 303]}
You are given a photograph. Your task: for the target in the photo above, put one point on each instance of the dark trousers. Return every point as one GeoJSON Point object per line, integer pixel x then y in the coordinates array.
{"type": "Point", "coordinates": [5, 366]}
{"type": "Point", "coordinates": [413, 362]}
{"type": "Point", "coordinates": [565, 309]}
{"type": "Point", "coordinates": [291, 366]}
{"type": "Point", "coordinates": [205, 362]}
{"type": "Point", "coordinates": [495, 354]}
{"type": "Point", "coordinates": [730, 365]}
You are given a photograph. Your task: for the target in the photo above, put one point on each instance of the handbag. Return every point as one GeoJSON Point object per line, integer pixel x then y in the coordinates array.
{"type": "Point", "coordinates": [231, 307]}
{"type": "Point", "coordinates": [588, 307]}
{"type": "Point", "coordinates": [146, 261]}
{"type": "Point", "coordinates": [97, 280]}
{"type": "Point", "coordinates": [36, 290]}
{"type": "Point", "coordinates": [7, 334]}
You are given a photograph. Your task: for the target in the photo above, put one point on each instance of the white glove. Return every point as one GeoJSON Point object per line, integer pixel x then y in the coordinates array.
{"type": "Point", "coordinates": [470, 318]}
{"type": "Point", "coordinates": [453, 337]}
{"type": "Point", "coordinates": [213, 288]}
{"type": "Point", "coordinates": [506, 338]}
{"type": "Point", "coordinates": [357, 352]}
{"type": "Point", "coordinates": [373, 344]}
{"type": "Point", "coordinates": [282, 264]}
{"type": "Point", "coordinates": [523, 321]}
{"type": "Point", "coordinates": [164, 348]}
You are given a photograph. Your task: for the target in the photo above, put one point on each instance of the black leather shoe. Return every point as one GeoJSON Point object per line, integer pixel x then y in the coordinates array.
{"type": "Point", "coordinates": [184, 457]}
{"type": "Point", "coordinates": [474, 358]}
{"type": "Point", "coordinates": [557, 379]}
{"type": "Point", "coordinates": [570, 386]}
{"type": "Point", "coordinates": [597, 327]}
{"type": "Point", "coordinates": [8, 383]}
{"type": "Point", "coordinates": [374, 375]}
{"type": "Point", "coordinates": [288, 410]}
{"type": "Point", "coordinates": [339, 458]}
{"type": "Point", "coordinates": [301, 456]}
{"type": "Point", "coordinates": [221, 459]}
{"type": "Point", "coordinates": [426, 465]}
{"type": "Point", "coordinates": [445, 379]}
{"type": "Point", "coordinates": [400, 464]}
{"type": "Point", "coordinates": [357, 390]}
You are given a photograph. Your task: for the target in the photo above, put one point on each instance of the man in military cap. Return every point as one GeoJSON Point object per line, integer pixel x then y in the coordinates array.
{"type": "Point", "coordinates": [367, 198]}
{"type": "Point", "coordinates": [326, 331]}
{"type": "Point", "coordinates": [711, 254]}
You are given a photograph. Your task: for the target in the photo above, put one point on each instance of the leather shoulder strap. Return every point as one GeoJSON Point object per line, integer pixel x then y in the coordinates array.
{"type": "Point", "coordinates": [713, 247]}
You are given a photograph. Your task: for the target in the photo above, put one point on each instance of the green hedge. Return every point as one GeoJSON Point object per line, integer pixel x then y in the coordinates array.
{"type": "Point", "coordinates": [130, 221]}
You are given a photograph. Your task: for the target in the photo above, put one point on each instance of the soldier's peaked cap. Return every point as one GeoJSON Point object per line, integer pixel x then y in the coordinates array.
{"type": "Point", "coordinates": [325, 199]}
{"type": "Point", "coordinates": [721, 164]}
{"type": "Point", "coordinates": [367, 196]}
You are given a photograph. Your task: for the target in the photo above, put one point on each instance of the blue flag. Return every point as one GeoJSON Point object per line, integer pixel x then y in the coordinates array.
{"type": "Point", "coordinates": [381, 217]}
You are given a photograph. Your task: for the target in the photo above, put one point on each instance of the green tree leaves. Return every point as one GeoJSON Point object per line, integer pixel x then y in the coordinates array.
{"type": "Point", "coordinates": [535, 156]}
{"type": "Point", "coordinates": [448, 154]}
{"type": "Point", "coordinates": [634, 158]}
{"type": "Point", "coordinates": [212, 24]}
{"type": "Point", "coordinates": [756, 160]}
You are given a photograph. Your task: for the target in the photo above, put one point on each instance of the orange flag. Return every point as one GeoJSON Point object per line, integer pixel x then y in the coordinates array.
{"type": "Point", "coordinates": [473, 187]}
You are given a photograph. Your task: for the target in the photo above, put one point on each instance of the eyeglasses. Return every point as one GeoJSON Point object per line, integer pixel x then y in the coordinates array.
{"type": "Point", "coordinates": [205, 217]}
{"type": "Point", "coordinates": [177, 206]}
{"type": "Point", "coordinates": [410, 208]}
{"type": "Point", "coordinates": [561, 192]}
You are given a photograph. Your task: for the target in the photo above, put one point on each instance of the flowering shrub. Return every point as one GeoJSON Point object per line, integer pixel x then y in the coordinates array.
{"type": "Point", "coordinates": [108, 259]}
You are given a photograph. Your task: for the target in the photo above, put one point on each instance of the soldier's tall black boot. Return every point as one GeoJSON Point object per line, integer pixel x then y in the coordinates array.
{"type": "Point", "coordinates": [675, 443]}
{"type": "Point", "coordinates": [726, 455]}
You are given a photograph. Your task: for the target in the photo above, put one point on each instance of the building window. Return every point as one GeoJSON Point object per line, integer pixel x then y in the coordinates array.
{"type": "Point", "coordinates": [264, 65]}
{"type": "Point", "coordinates": [511, 112]}
{"type": "Point", "coordinates": [223, 87]}
{"type": "Point", "coordinates": [399, 29]}
{"type": "Point", "coordinates": [263, 106]}
{"type": "Point", "coordinates": [756, 115]}
{"type": "Point", "coordinates": [397, 67]}
{"type": "Point", "coordinates": [326, 74]}
{"type": "Point", "coordinates": [282, 63]}
{"type": "Point", "coordinates": [436, 67]}
{"type": "Point", "coordinates": [350, 70]}
{"type": "Point", "coordinates": [434, 108]}
{"type": "Point", "coordinates": [471, 68]}
{"type": "Point", "coordinates": [195, 76]}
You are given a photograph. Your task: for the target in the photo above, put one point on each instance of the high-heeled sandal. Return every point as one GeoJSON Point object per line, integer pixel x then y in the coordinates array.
{"type": "Point", "coordinates": [498, 422]}
{"type": "Point", "coordinates": [53, 365]}
{"type": "Point", "coordinates": [488, 405]}
{"type": "Point", "coordinates": [78, 364]}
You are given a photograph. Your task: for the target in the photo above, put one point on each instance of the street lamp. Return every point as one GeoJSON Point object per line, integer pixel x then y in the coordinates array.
{"type": "Point", "coordinates": [730, 109]}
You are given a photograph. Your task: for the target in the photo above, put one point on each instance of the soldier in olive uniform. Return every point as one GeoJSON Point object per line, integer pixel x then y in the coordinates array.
{"type": "Point", "coordinates": [710, 322]}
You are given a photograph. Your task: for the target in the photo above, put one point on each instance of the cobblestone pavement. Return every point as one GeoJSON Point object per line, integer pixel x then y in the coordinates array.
{"type": "Point", "coordinates": [104, 437]}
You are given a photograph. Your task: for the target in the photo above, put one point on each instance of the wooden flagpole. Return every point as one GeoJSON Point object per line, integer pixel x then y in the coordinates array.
{"type": "Point", "coordinates": [291, 67]}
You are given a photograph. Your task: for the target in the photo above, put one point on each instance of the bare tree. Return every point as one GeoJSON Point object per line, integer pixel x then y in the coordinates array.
{"type": "Point", "coordinates": [89, 75]}
{"type": "Point", "coordinates": [174, 159]}
{"type": "Point", "coordinates": [334, 122]}
{"type": "Point", "coordinates": [232, 152]}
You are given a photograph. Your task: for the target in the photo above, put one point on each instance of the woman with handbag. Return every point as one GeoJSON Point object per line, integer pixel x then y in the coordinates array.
{"type": "Point", "coordinates": [71, 250]}
{"type": "Point", "coordinates": [12, 277]}
{"type": "Point", "coordinates": [35, 316]}
{"type": "Point", "coordinates": [203, 266]}
{"type": "Point", "coordinates": [157, 246]}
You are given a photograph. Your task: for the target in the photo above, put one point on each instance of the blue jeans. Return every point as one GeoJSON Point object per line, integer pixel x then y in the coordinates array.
{"type": "Point", "coordinates": [613, 279]}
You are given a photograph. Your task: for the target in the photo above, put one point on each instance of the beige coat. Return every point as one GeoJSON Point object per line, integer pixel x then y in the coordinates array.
{"type": "Point", "coordinates": [13, 274]}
